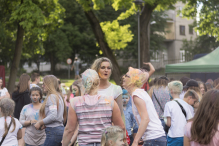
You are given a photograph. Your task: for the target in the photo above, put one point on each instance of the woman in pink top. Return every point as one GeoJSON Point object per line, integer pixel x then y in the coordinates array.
{"type": "Point", "coordinates": [203, 129]}
{"type": "Point", "coordinates": [74, 91]}
{"type": "Point", "coordinates": [92, 112]}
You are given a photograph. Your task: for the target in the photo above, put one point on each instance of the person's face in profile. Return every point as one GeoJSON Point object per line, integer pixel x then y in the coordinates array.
{"type": "Point", "coordinates": [119, 141]}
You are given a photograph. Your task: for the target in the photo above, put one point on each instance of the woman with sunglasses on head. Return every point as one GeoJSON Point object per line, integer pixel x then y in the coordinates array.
{"type": "Point", "coordinates": [53, 112]}
{"type": "Point", "coordinates": [203, 129]}
{"type": "Point", "coordinates": [150, 128]}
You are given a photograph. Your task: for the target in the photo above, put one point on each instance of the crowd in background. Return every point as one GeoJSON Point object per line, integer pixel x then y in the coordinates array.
{"type": "Point", "coordinates": [95, 112]}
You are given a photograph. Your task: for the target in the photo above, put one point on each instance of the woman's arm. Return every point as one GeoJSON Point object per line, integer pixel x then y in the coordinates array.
{"type": "Point", "coordinates": [120, 104]}
{"type": "Point", "coordinates": [142, 110]}
{"type": "Point", "coordinates": [74, 137]}
{"type": "Point", "coordinates": [70, 127]}
{"type": "Point", "coordinates": [116, 116]}
{"type": "Point", "coordinates": [19, 134]}
{"type": "Point", "coordinates": [186, 141]}
{"type": "Point", "coordinates": [152, 69]}
{"type": "Point", "coordinates": [168, 121]}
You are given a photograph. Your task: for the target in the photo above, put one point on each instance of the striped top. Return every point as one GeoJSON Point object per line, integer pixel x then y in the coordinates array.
{"type": "Point", "coordinates": [92, 116]}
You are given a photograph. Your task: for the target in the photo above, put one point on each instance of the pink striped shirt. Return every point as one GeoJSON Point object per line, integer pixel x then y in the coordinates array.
{"type": "Point", "coordinates": [94, 114]}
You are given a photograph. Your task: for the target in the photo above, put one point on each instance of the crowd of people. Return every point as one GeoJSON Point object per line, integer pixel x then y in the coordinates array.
{"type": "Point", "coordinates": [95, 112]}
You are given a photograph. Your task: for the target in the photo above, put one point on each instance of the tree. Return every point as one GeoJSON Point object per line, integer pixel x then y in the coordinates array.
{"type": "Point", "coordinates": [208, 16]}
{"type": "Point", "coordinates": [202, 44]}
{"type": "Point", "coordinates": [31, 17]}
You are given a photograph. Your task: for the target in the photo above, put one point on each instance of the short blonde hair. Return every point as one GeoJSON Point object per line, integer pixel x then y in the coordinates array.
{"type": "Point", "coordinates": [175, 87]}
{"type": "Point", "coordinates": [111, 133]}
{"type": "Point", "coordinates": [97, 63]}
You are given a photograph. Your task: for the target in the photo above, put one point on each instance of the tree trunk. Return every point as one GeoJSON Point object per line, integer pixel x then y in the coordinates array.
{"type": "Point", "coordinates": [144, 33]}
{"type": "Point", "coordinates": [16, 59]}
{"type": "Point", "coordinates": [100, 37]}
{"type": "Point", "coordinates": [52, 64]}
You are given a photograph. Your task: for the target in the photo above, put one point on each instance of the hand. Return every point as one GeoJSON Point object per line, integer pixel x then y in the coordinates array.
{"type": "Point", "coordinates": [43, 127]}
{"type": "Point", "coordinates": [135, 143]}
{"type": "Point", "coordinates": [33, 121]}
{"type": "Point", "coordinates": [147, 63]}
{"type": "Point", "coordinates": [37, 125]}
{"type": "Point", "coordinates": [141, 142]}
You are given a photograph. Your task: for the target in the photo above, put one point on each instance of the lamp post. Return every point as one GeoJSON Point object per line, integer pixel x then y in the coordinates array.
{"type": "Point", "coordinates": [138, 3]}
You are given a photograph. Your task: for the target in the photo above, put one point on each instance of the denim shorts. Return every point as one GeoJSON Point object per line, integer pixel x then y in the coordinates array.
{"type": "Point", "coordinates": [54, 136]}
{"type": "Point", "coordinates": [178, 141]}
{"type": "Point", "coordinates": [161, 141]}
{"type": "Point", "coordinates": [90, 144]}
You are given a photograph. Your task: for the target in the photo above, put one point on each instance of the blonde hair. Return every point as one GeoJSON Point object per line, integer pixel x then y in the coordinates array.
{"type": "Point", "coordinates": [111, 133]}
{"type": "Point", "coordinates": [176, 87]}
{"type": "Point", "coordinates": [7, 108]}
{"type": "Point", "coordinates": [90, 80]}
{"type": "Point", "coordinates": [97, 63]}
{"type": "Point", "coordinates": [51, 83]}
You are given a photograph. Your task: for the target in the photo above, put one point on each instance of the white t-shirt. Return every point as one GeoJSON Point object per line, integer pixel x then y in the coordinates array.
{"type": "Point", "coordinates": [33, 85]}
{"type": "Point", "coordinates": [113, 91]}
{"type": "Point", "coordinates": [3, 92]}
{"type": "Point", "coordinates": [178, 120]}
{"type": "Point", "coordinates": [191, 110]}
{"type": "Point", "coordinates": [11, 138]}
{"type": "Point", "coordinates": [154, 128]}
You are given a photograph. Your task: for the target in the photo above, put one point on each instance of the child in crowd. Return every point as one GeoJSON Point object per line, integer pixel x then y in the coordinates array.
{"type": "Point", "coordinates": [35, 78]}
{"type": "Point", "coordinates": [10, 128]}
{"type": "Point", "coordinates": [113, 136]}
{"type": "Point", "coordinates": [130, 121]}
{"type": "Point", "coordinates": [203, 129]}
{"type": "Point", "coordinates": [191, 97]}
{"type": "Point", "coordinates": [29, 116]}
{"type": "Point", "coordinates": [177, 114]}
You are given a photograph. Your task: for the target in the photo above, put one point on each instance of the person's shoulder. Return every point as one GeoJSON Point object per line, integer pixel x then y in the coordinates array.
{"type": "Point", "coordinates": [5, 89]}
{"type": "Point", "coordinates": [116, 87]}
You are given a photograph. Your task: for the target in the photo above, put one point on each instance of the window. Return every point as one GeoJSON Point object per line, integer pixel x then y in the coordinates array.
{"type": "Point", "coordinates": [180, 11]}
{"type": "Point", "coordinates": [182, 30]}
{"type": "Point", "coordinates": [182, 55]}
{"type": "Point", "coordinates": [155, 57]}
{"type": "Point", "coordinates": [190, 29]}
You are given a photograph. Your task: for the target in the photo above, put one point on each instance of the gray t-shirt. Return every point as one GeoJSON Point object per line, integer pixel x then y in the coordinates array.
{"type": "Point", "coordinates": [76, 65]}
{"type": "Point", "coordinates": [54, 113]}
{"type": "Point", "coordinates": [32, 136]}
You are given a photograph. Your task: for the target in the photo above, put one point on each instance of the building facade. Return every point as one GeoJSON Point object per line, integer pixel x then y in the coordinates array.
{"type": "Point", "coordinates": [178, 29]}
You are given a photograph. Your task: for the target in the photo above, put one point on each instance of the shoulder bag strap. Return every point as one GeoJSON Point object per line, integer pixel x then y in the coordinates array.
{"type": "Point", "coordinates": [183, 110]}
{"type": "Point", "coordinates": [158, 102]}
{"type": "Point", "coordinates": [3, 138]}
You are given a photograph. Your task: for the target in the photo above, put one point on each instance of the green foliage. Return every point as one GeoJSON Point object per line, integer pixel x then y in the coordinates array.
{"type": "Point", "coordinates": [202, 44]}
{"type": "Point", "coordinates": [117, 36]}
{"type": "Point", "coordinates": [208, 15]}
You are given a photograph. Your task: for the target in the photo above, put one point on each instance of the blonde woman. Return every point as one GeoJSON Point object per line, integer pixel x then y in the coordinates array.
{"type": "Point", "coordinates": [92, 112]}
{"type": "Point", "coordinates": [53, 112]}
{"type": "Point", "coordinates": [150, 128]}
{"type": "Point", "coordinates": [104, 67]}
